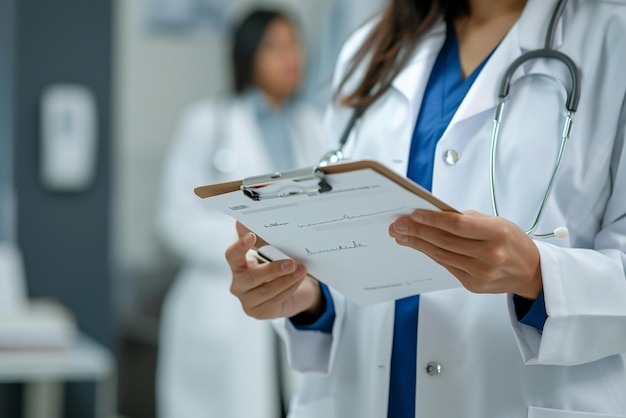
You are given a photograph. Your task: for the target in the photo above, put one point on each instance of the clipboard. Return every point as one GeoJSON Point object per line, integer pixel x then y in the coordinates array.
{"type": "Point", "coordinates": [335, 220]}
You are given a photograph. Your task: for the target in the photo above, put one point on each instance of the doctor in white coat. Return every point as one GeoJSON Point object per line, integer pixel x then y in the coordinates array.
{"type": "Point", "coordinates": [214, 361]}
{"type": "Point", "coordinates": [475, 357]}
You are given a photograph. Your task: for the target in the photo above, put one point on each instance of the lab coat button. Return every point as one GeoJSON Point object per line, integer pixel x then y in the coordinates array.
{"type": "Point", "coordinates": [451, 156]}
{"type": "Point", "coordinates": [433, 368]}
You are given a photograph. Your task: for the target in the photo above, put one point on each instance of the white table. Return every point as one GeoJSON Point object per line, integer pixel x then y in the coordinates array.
{"type": "Point", "coordinates": [45, 372]}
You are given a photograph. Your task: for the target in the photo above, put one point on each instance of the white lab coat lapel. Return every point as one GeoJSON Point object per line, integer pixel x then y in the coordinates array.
{"type": "Point", "coordinates": [245, 140]}
{"type": "Point", "coordinates": [412, 80]}
{"type": "Point", "coordinates": [483, 96]}
{"type": "Point", "coordinates": [305, 137]}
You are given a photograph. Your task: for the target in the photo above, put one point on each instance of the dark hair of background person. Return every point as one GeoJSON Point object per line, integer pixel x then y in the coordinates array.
{"type": "Point", "coordinates": [391, 43]}
{"type": "Point", "coordinates": [247, 36]}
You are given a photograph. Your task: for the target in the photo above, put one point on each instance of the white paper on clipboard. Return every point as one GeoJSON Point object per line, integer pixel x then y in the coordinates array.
{"type": "Point", "coordinates": [342, 235]}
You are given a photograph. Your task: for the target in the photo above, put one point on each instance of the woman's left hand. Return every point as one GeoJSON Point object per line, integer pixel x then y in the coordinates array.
{"type": "Point", "coordinates": [487, 254]}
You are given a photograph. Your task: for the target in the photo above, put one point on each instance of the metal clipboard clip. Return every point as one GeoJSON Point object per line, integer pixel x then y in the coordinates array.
{"type": "Point", "coordinates": [310, 181]}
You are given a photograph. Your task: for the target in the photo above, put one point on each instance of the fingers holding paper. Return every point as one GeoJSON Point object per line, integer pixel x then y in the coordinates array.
{"type": "Point", "coordinates": [269, 290]}
{"type": "Point", "coordinates": [486, 254]}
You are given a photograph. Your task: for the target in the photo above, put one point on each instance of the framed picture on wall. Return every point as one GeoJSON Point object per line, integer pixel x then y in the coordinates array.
{"type": "Point", "coordinates": [186, 15]}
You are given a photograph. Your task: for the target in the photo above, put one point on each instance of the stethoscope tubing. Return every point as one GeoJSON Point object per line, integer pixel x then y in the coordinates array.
{"type": "Point", "coordinates": [573, 99]}
{"type": "Point", "coordinates": [573, 94]}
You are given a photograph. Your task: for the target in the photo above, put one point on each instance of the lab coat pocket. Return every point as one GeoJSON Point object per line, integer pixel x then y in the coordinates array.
{"type": "Point", "coordinates": [534, 412]}
{"type": "Point", "coordinates": [323, 408]}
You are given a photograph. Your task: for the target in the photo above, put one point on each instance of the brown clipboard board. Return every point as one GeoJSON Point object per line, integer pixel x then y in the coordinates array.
{"type": "Point", "coordinates": [232, 186]}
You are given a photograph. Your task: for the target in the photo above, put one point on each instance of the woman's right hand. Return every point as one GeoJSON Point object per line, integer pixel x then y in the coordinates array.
{"type": "Point", "coordinates": [271, 290]}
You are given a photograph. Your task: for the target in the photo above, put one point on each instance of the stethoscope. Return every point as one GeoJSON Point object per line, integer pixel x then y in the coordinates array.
{"type": "Point", "coordinates": [573, 97]}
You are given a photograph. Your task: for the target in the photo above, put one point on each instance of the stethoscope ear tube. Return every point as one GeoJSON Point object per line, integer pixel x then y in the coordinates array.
{"type": "Point", "coordinates": [356, 114]}
{"type": "Point", "coordinates": [573, 94]}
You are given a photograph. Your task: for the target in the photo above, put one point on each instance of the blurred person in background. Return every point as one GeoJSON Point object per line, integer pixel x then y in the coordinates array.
{"type": "Point", "coordinates": [214, 361]}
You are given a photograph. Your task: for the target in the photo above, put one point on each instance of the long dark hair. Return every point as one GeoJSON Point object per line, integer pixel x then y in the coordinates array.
{"type": "Point", "coordinates": [247, 37]}
{"type": "Point", "coordinates": [391, 43]}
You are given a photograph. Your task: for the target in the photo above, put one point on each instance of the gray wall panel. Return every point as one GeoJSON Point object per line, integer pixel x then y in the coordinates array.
{"type": "Point", "coordinates": [64, 237]}
{"type": "Point", "coordinates": [6, 119]}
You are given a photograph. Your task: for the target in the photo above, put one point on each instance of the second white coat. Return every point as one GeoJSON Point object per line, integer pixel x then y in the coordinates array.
{"type": "Point", "coordinates": [214, 361]}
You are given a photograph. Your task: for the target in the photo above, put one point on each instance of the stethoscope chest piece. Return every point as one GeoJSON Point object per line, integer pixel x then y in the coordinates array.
{"type": "Point", "coordinates": [331, 157]}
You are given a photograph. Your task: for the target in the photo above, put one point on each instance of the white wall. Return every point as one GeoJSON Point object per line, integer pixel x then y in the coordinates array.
{"type": "Point", "coordinates": [156, 76]}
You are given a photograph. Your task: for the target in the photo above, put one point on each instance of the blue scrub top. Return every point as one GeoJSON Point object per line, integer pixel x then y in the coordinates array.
{"type": "Point", "coordinates": [444, 93]}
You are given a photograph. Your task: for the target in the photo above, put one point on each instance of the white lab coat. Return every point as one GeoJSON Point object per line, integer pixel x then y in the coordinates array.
{"type": "Point", "coordinates": [491, 365]}
{"type": "Point", "coordinates": [214, 361]}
